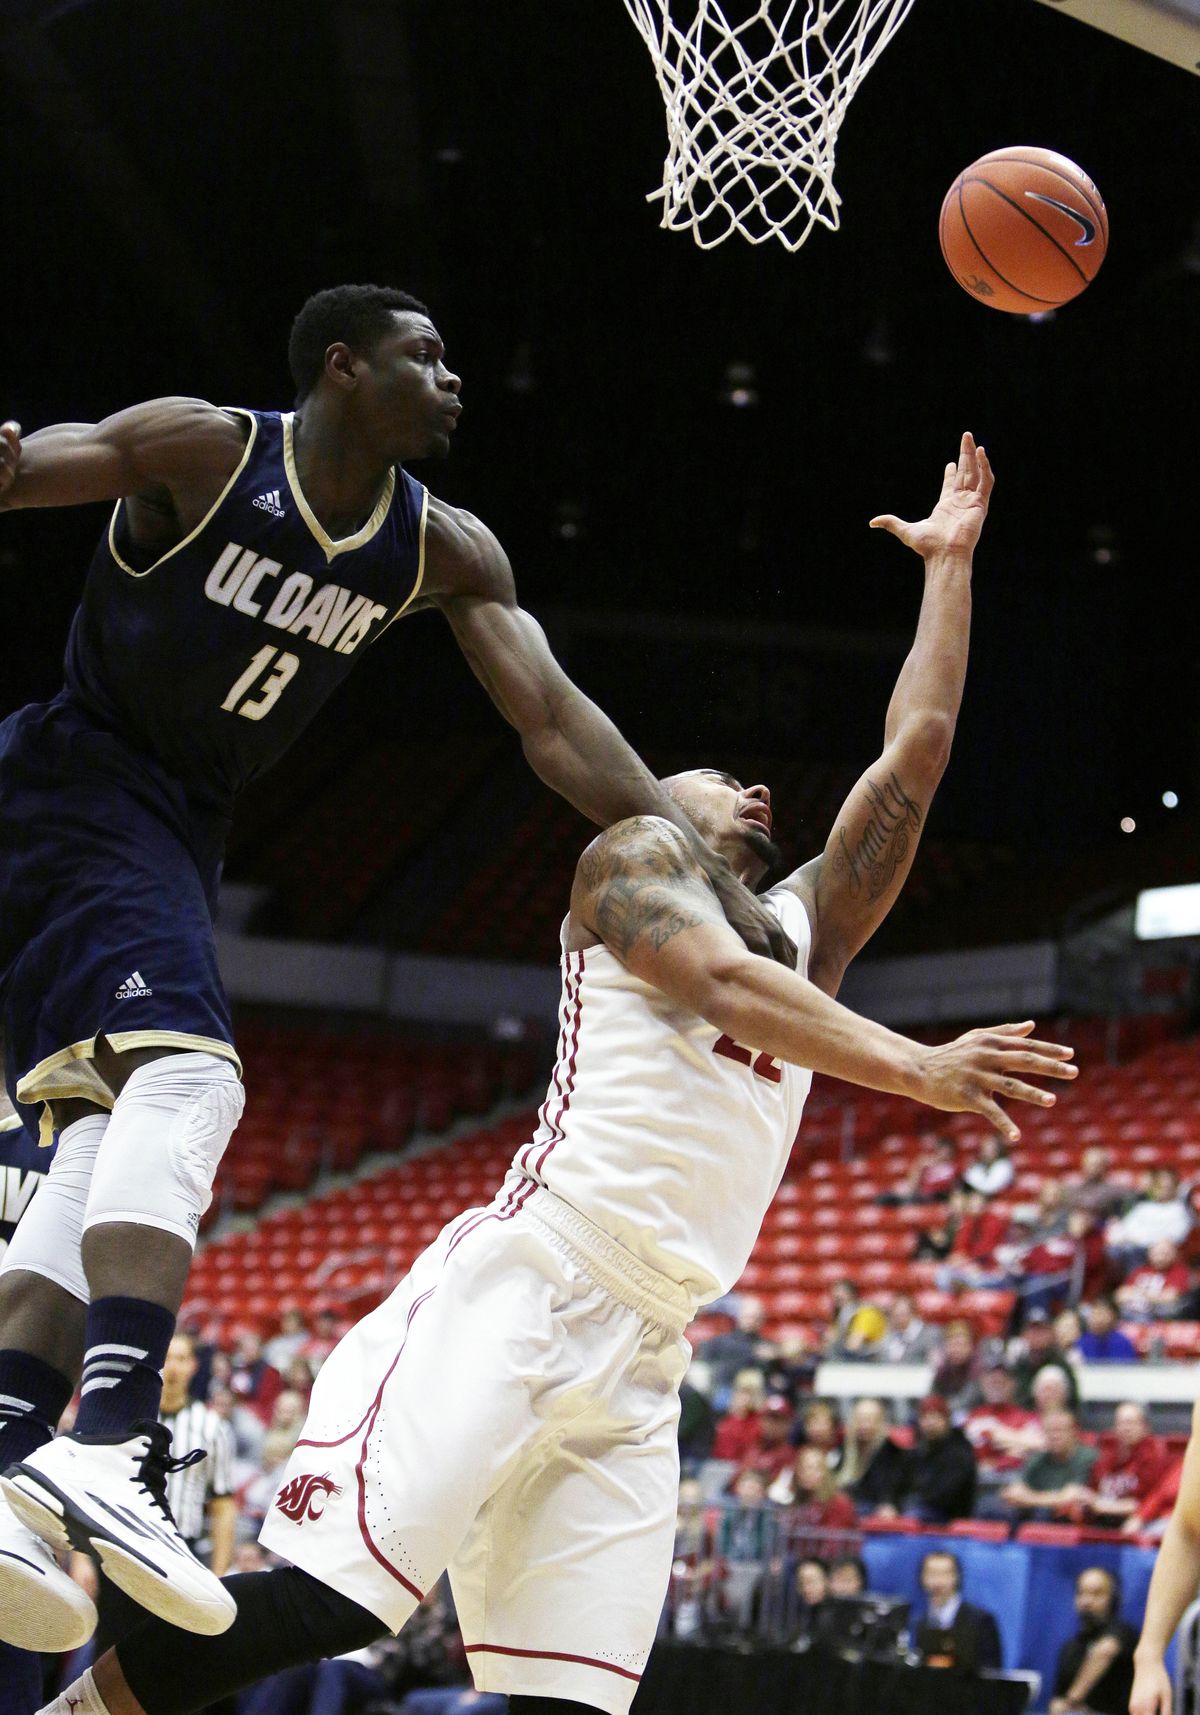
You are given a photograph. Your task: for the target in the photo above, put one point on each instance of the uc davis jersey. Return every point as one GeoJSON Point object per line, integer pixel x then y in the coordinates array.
{"type": "Point", "coordinates": [668, 1135]}
{"type": "Point", "coordinates": [215, 656]}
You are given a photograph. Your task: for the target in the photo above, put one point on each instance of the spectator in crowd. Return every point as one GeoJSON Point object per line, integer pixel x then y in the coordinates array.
{"type": "Point", "coordinates": [908, 1340]}
{"type": "Point", "coordinates": [1068, 1331]}
{"type": "Point", "coordinates": [298, 1377]}
{"type": "Point", "coordinates": [1103, 1342]}
{"type": "Point", "coordinates": [1153, 1514]}
{"type": "Point", "coordinates": [746, 1540]}
{"type": "Point", "coordinates": [1051, 1391]}
{"type": "Point", "coordinates": [691, 1591]}
{"type": "Point", "coordinates": [772, 1454]}
{"type": "Point", "coordinates": [1158, 1288]}
{"type": "Point", "coordinates": [933, 1176]}
{"type": "Point", "coordinates": [737, 1431]}
{"type": "Point", "coordinates": [810, 1487]}
{"type": "Point", "coordinates": [974, 1260]}
{"type": "Point", "coordinates": [812, 1625]}
{"type": "Point", "coordinates": [1094, 1189]}
{"type": "Point", "coordinates": [326, 1332]}
{"type": "Point", "coordinates": [1055, 1483]}
{"type": "Point", "coordinates": [1050, 1268]}
{"type": "Point", "coordinates": [1035, 1351]}
{"type": "Point", "coordinates": [1002, 1433]}
{"type": "Point", "coordinates": [697, 1424]}
{"type": "Point", "coordinates": [872, 1466]}
{"type": "Point", "coordinates": [819, 1427]}
{"type": "Point", "coordinates": [791, 1370]}
{"type": "Point", "coordinates": [693, 1525]}
{"type": "Point", "coordinates": [857, 1327]}
{"type": "Point", "coordinates": [954, 1633]}
{"type": "Point", "coordinates": [938, 1482]}
{"type": "Point", "coordinates": [848, 1576]}
{"type": "Point", "coordinates": [290, 1340]}
{"type": "Point", "coordinates": [741, 1347]}
{"type": "Point", "coordinates": [1127, 1471]}
{"type": "Point", "coordinates": [1095, 1667]}
{"type": "Point", "coordinates": [956, 1373]}
{"type": "Point", "coordinates": [935, 1241]}
{"type": "Point", "coordinates": [256, 1383]}
{"type": "Point", "coordinates": [992, 1172]}
{"type": "Point", "coordinates": [1160, 1214]}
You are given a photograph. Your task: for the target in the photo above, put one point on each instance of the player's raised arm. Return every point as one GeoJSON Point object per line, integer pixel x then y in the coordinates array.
{"type": "Point", "coordinates": [1172, 1588]}
{"type": "Point", "coordinates": [854, 883]}
{"type": "Point", "coordinates": [569, 742]}
{"type": "Point", "coordinates": [639, 890]}
{"type": "Point", "coordinates": [165, 444]}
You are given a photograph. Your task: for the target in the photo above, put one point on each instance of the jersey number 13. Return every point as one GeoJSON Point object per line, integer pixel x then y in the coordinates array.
{"type": "Point", "coordinates": [270, 672]}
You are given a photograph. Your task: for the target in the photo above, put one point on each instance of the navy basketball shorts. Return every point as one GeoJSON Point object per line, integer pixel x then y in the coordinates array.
{"type": "Point", "coordinates": [108, 882]}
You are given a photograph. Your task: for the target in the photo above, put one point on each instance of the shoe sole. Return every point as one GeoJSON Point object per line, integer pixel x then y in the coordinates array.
{"type": "Point", "coordinates": [63, 1524]}
{"type": "Point", "coordinates": [35, 1616]}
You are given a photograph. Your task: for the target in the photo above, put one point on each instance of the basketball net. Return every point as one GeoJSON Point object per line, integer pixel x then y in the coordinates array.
{"type": "Point", "coordinates": [754, 109]}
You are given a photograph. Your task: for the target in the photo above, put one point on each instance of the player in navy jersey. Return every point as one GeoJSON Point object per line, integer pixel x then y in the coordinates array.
{"type": "Point", "coordinates": [250, 560]}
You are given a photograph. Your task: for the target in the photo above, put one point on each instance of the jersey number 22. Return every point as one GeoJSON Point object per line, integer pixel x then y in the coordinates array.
{"type": "Point", "coordinates": [762, 1065]}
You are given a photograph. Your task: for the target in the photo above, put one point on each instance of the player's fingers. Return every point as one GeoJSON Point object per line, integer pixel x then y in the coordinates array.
{"type": "Point", "coordinates": [1034, 1065]}
{"type": "Point", "coordinates": [1023, 1029]}
{"type": "Point", "coordinates": [886, 521]}
{"type": "Point", "coordinates": [995, 1114]}
{"type": "Point", "coordinates": [1016, 1090]}
{"type": "Point", "coordinates": [986, 473]}
{"type": "Point", "coordinates": [10, 429]}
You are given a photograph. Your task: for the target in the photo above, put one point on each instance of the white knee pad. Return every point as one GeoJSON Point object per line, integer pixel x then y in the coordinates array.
{"type": "Point", "coordinates": [49, 1231]}
{"type": "Point", "coordinates": [169, 1129]}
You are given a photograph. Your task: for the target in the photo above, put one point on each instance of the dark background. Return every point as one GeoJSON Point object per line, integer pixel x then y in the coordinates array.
{"type": "Point", "coordinates": [178, 178]}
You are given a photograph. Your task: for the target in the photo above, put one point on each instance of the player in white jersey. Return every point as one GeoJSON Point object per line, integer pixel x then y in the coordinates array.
{"type": "Point", "coordinates": [510, 1412]}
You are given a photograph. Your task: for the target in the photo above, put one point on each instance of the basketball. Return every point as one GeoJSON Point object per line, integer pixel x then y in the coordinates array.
{"type": "Point", "coordinates": [1023, 230]}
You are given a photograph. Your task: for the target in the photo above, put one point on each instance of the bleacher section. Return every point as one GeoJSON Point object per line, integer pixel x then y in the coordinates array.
{"type": "Point", "coordinates": [325, 1101]}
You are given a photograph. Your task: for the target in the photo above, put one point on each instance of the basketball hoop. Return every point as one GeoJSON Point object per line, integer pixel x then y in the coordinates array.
{"type": "Point", "coordinates": [754, 109]}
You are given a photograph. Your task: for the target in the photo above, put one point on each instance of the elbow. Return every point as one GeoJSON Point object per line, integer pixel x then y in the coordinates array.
{"type": "Point", "coordinates": [927, 737]}
{"type": "Point", "coordinates": [721, 993]}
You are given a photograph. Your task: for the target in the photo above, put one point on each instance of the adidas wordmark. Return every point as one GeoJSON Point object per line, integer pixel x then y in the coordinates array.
{"type": "Point", "coordinates": [269, 502]}
{"type": "Point", "coordinates": [134, 988]}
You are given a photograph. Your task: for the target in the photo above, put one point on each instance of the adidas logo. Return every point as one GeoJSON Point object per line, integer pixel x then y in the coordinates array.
{"type": "Point", "coordinates": [133, 988]}
{"type": "Point", "coordinates": [269, 502]}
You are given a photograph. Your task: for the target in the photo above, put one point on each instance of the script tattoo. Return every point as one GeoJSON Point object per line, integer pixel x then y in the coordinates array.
{"type": "Point", "coordinates": [870, 865]}
{"type": "Point", "coordinates": [637, 881]}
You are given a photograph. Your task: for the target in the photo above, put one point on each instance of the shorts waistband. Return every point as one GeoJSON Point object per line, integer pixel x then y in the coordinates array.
{"type": "Point", "coordinates": [645, 1291]}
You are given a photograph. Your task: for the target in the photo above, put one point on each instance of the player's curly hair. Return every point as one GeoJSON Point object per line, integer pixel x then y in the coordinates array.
{"type": "Point", "coordinates": [359, 315]}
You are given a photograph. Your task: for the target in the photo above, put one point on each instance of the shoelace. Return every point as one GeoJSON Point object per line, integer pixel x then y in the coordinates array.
{"type": "Point", "coordinates": [158, 1463]}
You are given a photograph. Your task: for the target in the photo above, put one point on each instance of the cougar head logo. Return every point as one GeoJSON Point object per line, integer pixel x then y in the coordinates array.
{"type": "Point", "coordinates": [305, 1497]}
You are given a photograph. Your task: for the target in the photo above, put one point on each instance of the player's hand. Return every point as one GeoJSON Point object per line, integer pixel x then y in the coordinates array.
{"type": "Point", "coordinates": [970, 1073]}
{"type": "Point", "coordinates": [10, 455]}
{"type": "Point", "coordinates": [1151, 1694]}
{"type": "Point", "coordinates": [954, 525]}
{"type": "Point", "coordinates": [745, 912]}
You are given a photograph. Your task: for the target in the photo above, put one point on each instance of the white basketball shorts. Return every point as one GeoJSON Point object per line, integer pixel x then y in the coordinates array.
{"type": "Point", "coordinates": [509, 1413]}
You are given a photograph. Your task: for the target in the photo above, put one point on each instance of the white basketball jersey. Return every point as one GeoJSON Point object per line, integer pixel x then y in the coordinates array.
{"type": "Point", "coordinates": [666, 1134]}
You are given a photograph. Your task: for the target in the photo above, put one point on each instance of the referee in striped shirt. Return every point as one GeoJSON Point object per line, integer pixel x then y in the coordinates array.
{"type": "Point", "coordinates": [201, 1498]}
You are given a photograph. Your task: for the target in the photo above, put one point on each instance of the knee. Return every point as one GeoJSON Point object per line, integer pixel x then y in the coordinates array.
{"type": "Point", "coordinates": [169, 1130]}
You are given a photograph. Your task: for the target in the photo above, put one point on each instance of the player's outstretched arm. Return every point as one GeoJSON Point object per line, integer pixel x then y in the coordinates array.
{"type": "Point", "coordinates": [639, 890]}
{"type": "Point", "coordinates": [852, 886]}
{"type": "Point", "coordinates": [569, 742]}
{"type": "Point", "coordinates": [1172, 1588]}
{"type": "Point", "coordinates": [164, 445]}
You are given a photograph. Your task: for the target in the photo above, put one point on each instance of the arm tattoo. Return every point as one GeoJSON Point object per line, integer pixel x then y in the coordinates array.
{"type": "Point", "coordinates": [871, 864]}
{"type": "Point", "coordinates": [638, 881]}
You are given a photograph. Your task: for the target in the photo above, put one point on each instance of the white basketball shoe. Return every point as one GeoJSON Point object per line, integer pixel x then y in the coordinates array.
{"type": "Point", "coordinates": [108, 1496]}
{"type": "Point", "coordinates": [40, 1607]}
